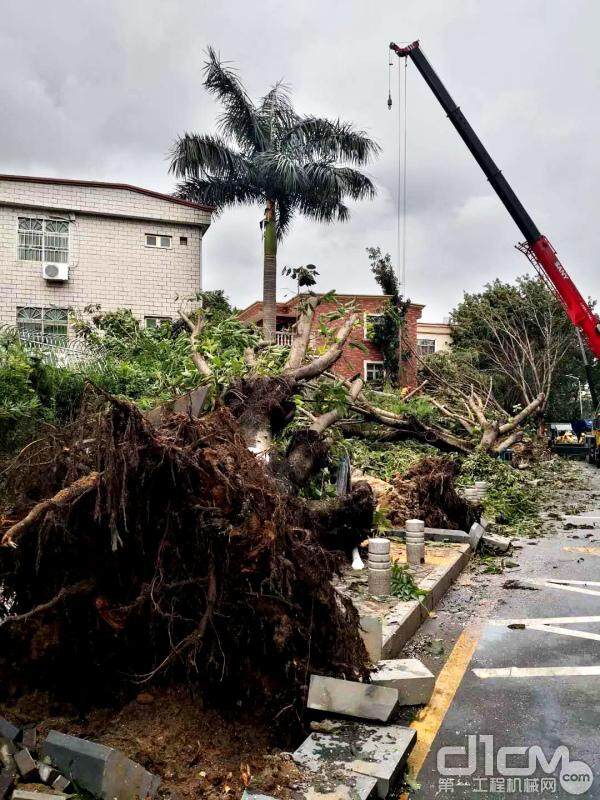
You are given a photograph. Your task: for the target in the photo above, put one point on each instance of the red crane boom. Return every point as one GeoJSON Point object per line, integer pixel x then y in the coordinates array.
{"type": "Point", "coordinates": [536, 247]}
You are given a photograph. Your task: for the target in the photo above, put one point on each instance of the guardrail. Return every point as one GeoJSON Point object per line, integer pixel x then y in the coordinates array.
{"type": "Point", "coordinates": [57, 349]}
{"type": "Point", "coordinates": [284, 338]}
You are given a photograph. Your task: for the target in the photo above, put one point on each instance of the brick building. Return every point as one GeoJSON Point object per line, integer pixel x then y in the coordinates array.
{"type": "Point", "coordinates": [353, 360]}
{"type": "Point", "coordinates": [65, 244]}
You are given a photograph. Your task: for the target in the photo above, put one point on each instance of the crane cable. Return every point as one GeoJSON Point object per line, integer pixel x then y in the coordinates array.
{"type": "Point", "coordinates": [401, 170]}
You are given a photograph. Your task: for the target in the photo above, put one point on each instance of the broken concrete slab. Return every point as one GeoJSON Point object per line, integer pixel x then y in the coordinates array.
{"type": "Point", "coordinates": [8, 730]}
{"type": "Point", "coordinates": [26, 765]}
{"type": "Point", "coordinates": [412, 679]}
{"type": "Point", "coordinates": [377, 752]}
{"type": "Point", "coordinates": [475, 534]}
{"type": "Point", "coordinates": [500, 544]}
{"type": "Point", "coordinates": [22, 794]}
{"type": "Point", "coordinates": [102, 771]}
{"type": "Point", "coordinates": [350, 698]}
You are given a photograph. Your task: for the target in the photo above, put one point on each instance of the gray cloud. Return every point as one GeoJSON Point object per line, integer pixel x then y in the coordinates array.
{"type": "Point", "coordinates": [99, 90]}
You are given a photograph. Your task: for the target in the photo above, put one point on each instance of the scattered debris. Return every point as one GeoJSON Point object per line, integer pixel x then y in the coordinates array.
{"type": "Point", "coordinates": [376, 752]}
{"type": "Point", "coordinates": [515, 583]}
{"type": "Point", "coordinates": [436, 647]}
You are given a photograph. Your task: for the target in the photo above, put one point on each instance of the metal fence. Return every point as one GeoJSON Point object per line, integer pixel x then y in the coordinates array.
{"type": "Point", "coordinates": [58, 349]}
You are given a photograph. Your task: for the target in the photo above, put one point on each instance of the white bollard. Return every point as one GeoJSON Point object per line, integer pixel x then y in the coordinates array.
{"type": "Point", "coordinates": [415, 541]}
{"type": "Point", "coordinates": [380, 566]}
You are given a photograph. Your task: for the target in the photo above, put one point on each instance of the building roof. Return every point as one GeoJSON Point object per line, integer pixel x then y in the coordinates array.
{"type": "Point", "coordinates": [106, 185]}
{"type": "Point", "coordinates": [287, 308]}
{"type": "Point", "coordinates": [440, 325]}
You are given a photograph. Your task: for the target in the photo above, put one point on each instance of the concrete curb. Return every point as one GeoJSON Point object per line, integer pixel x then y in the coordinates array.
{"type": "Point", "coordinates": [399, 624]}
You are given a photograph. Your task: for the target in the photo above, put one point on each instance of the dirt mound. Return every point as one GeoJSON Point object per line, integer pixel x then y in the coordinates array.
{"type": "Point", "coordinates": [427, 491]}
{"type": "Point", "coordinates": [169, 553]}
{"type": "Point", "coordinates": [196, 751]}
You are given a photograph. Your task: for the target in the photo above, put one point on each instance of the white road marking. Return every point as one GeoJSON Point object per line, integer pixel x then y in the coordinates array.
{"type": "Point", "coordinates": [565, 631]}
{"type": "Point", "coordinates": [565, 587]}
{"type": "Point", "coordinates": [560, 582]}
{"type": "Point", "coordinates": [542, 621]}
{"type": "Point", "coordinates": [536, 672]}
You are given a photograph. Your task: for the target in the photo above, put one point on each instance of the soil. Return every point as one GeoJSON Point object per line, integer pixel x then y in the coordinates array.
{"type": "Point", "coordinates": [197, 752]}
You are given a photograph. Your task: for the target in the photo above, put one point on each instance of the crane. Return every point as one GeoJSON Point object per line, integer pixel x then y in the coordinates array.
{"type": "Point", "coordinates": [536, 247]}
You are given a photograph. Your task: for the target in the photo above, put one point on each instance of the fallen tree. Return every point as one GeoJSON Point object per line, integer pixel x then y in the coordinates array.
{"type": "Point", "coordinates": [152, 552]}
{"type": "Point", "coordinates": [139, 550]}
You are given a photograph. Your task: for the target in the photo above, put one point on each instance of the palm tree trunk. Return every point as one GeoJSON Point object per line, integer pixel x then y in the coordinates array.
{"type": "Point", "coordinates": [269, 273]}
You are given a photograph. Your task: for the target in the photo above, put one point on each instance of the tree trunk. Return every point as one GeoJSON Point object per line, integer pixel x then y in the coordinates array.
{"type": "Point", "coordinates": [269, 273]}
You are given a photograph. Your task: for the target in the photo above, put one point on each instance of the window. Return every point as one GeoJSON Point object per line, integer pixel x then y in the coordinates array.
{"type": "Point", "coordinates": [370, 320]}
{"type": "Point", "coordinates": [374, 372]}
{"type": "Point", "coordinates": [425, 346]}
{"type": "Point", "coordinates": [155, 240]}
{"type": "Point", "coordinates": [49, 323]}
{"type": "Point", "coordinates": [43, 240]}
{"type": "Point", "coordinates": [183, 240]}
{"type": "Point", "coordinates": [155, 322]}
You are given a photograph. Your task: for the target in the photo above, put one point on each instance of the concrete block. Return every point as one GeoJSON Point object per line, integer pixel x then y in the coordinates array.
{"type": "Point", "coordinates": [409, 676]}
{"type": "Point", "coordinates": [8, 730]}
{"type": "Point", "coordinates": [379, 545]}
{"type": "Point", "coordinates": [494, 541]}
{"type": "Point", "coordinates": [21, 794]}
{"type": "Point", "coordinates": [371, 632]}
{"type": "Point", "coordinates": [29, 738]}
{"type": "Point", "coordinates": [377, 752]}
{"type": "Point", "coordinates": [61, 784]}
{"type": "Point", "coordinates": [350, 698]}
{"type": "Point", "coordinates": [475, 534]}
{"type": "Point", "coordinates": [103, 771]}
{"type": "Point", "coordinates": [26, 765]}
{"type": "Point", "coordinates": [6, 784]}
{"type": "Point", "coordinates": [414, 525]}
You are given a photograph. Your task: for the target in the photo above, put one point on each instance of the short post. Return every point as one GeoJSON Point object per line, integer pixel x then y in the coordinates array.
{"type": "Point", "coordinates": [379, 566]}
{"type": "Point", "coordinates": [415, 541]}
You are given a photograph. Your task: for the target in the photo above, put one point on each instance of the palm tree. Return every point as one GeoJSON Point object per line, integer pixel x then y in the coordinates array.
{"type": "Point", "coordinates": [267, 153]}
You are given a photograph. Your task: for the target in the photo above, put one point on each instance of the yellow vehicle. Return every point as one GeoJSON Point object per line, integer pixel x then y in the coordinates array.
{"type": "Point", "coordinates": [593, 443]}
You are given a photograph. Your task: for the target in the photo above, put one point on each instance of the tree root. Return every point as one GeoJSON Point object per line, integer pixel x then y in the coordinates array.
{"type": "Point", "coordinates": [62, 500]}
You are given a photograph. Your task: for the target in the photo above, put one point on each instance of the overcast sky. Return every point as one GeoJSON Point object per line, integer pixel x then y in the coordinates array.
{"type": "Point", "coordinates": [99, 89]}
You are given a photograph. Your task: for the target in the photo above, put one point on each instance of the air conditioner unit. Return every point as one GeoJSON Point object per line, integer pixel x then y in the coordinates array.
{"type": "Point", "coordinates": [55, 272]}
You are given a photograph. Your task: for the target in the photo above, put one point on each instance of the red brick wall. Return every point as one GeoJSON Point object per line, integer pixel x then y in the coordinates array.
{"type": "Point", "coordinates": [353, 359]}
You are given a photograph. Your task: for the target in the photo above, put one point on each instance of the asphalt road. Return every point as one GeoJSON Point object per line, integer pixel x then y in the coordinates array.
{"type": "Point", "coordinates": [533, 681]}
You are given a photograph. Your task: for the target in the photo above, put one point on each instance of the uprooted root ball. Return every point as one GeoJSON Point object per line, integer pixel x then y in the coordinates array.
{"type": "Point", "coordinates": [173, 554]}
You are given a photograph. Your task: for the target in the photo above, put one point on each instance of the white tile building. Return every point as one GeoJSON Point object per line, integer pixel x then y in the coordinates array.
{"type": "Point", "coordinates": [115, 245]}
{"type": "Point", "coordinates": [433, 337]}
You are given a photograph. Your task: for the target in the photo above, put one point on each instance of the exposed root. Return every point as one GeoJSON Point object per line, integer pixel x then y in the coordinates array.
{"type": "Point", "coordinates": [174, 556]}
